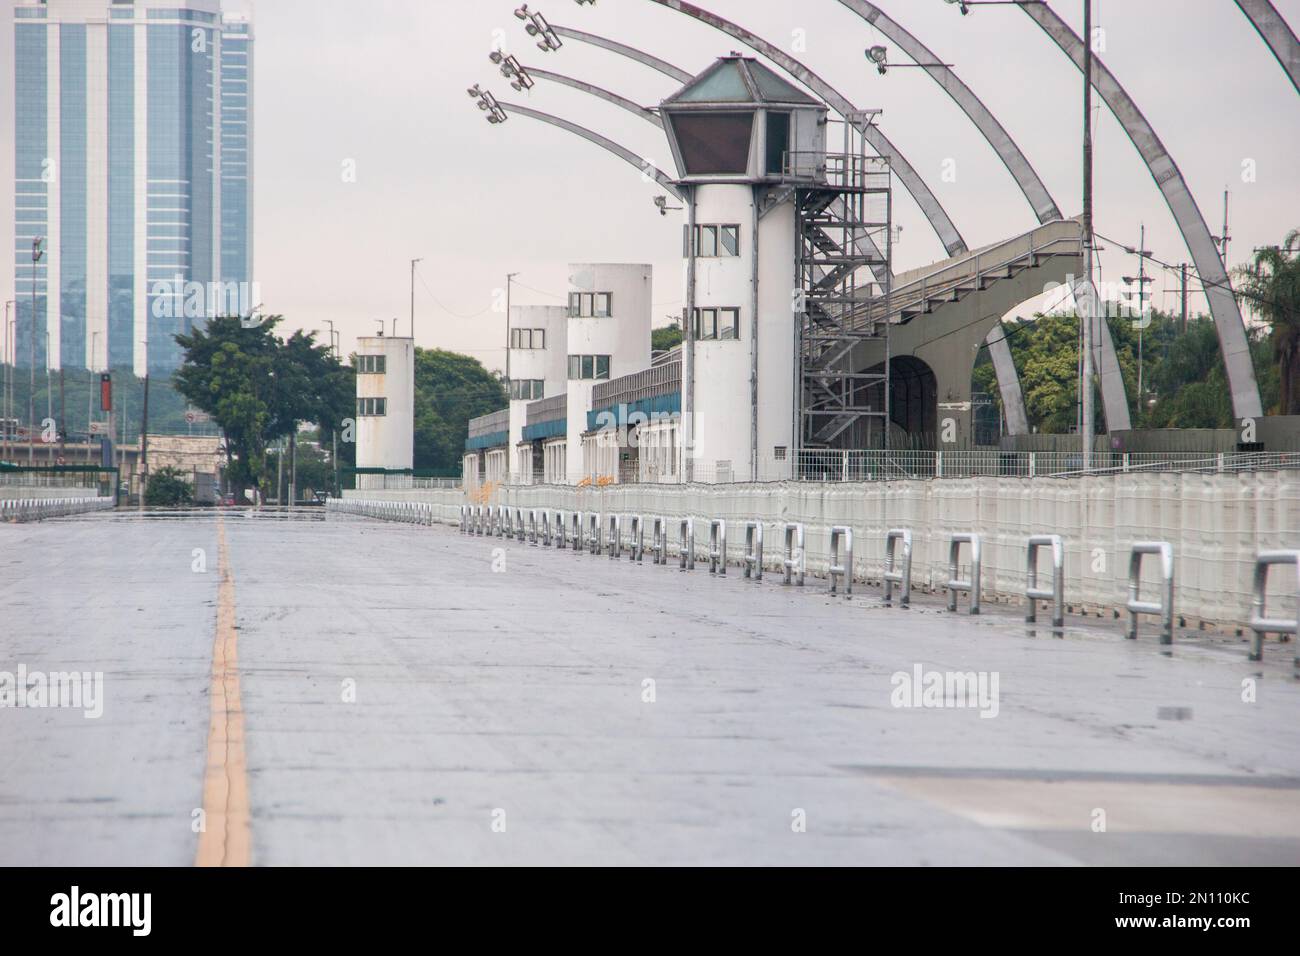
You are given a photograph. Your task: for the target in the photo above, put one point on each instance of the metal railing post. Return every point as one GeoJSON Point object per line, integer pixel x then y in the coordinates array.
{"type": "Point", "coordinates": [594, 539]}
{"type": "Point", "coordinates": [636, 539]}
{"type": "Point", "coordinates": [795, 558]}
{"type": "Point", "coordinates": [1165, 606]}
{"type": "Point", "coordinates": [614, 542]}
{"type": "Point", "coordinates": [659, 539]}
{"type": "Point", "coordinates": [891, 576]}
{"type": "Point", "coordinates": [718, 546]}
{"type": "Point", "coordinates": [1260, 623]}
{"type": "Point", "coordinates": [1056, 593]}
{"type": "Point", "coordinates": [686, 545]}
{"type": "Point", "coordinates": [834, 569]}
{"type": "Point", "coordinates": [754, 550]}
{"type": "Point", "coordinates": [956, 584]}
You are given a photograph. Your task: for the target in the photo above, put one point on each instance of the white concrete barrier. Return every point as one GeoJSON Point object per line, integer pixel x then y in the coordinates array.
{"type": "Point", "coordinates": [1215, 522]}
{"type": "Point", "coordinates": [39, 509]}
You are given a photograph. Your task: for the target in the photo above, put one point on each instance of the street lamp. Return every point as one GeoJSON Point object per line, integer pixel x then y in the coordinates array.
{"type": "Point", "coordinates": [413, 264]}
{"type": "Point", "coordinates": [512, 70]}
{"type": "Point", "coordinates": [510, 278]}
{"type": "Point", "coordinates": [9, 365]}
{"type": "Point", "coordinates": [662, 203]}
{"type": "Point", "coordinates": [965, 5]}
{"type": "Point", "coordinates": [879, 55]}
{"type": "Point", "coordinates": [536, 26]}
{"type": "Point", "coordinates": [488, 104]}
{"type": "Point", "coordinates": [38, 253]}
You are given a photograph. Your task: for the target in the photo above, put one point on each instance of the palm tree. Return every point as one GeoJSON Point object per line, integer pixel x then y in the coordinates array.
{"type": "Point", "coordinates": [1271, 286]}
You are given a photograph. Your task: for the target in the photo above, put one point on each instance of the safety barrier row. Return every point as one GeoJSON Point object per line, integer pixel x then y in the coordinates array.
{"type": "Point", "coordinates": [617, 534]}
{"type": "Point", "coordinates": [406, 512]}
{"type": "Point", "coordinates": [38, 509]}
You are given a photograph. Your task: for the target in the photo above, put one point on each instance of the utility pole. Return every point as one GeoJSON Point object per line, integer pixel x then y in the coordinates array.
{"type": "Point", "coordinates": [1226, 236]}
{"type": "Point", "coordinates": [1141, 279]}
{"type": "Point", "coordinates": [1183, 271]}
{"type": "Point", "coordinates": [1085, 384]}
{"type": "Point", "coordinates": [510, 278]}
{"type": "Point", "coordinates": [413, 263]}
{"type": "Point", "coordinates": [144, 440]}
{"type": "Point", "coordinates": [4, 388]}
{"type": "Point", "coordinates": [38, 252]}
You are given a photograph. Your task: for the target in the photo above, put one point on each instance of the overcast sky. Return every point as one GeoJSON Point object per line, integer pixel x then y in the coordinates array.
{"type": "Point", "coordinates": [382, 85]}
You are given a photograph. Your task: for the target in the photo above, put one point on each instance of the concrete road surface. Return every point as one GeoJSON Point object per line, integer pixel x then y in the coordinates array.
{"type": "Point", "coordinates": [345, 691]}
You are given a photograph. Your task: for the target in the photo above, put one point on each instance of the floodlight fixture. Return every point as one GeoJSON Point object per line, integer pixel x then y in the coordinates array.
{"type": "Point", "coordinates": [487, 103]}
{"type": "Point", "coordinates": [535, 25]}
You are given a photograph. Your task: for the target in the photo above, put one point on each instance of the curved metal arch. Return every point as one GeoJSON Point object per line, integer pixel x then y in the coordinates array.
{"type": "Point", "coordinates": [621, 152]}
{"type": "Point", "coordinates": [1233, 342]}
{"type": "Point", "coordinates": [1263, 16]}
{"type": "Point", "coordinates": [664, 67]}
{"type": "Point", "coordinates": [1013, 401]}
{"type": "Point", "coordinates": [911, 180]}
{"type": "Point", "coordinates": [1013, 159]}
{"type": "Point", "coordinates": [636, 109]}
{"type": "Point", "coordinates": [1114, 397]}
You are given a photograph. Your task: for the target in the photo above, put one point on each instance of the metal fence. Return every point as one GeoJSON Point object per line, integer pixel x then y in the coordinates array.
{"type": "Point", "coordinates": [839, 466]}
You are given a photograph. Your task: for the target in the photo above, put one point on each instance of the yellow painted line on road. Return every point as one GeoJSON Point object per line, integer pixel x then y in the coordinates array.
{"type": "Point", "coordinates": [226, 839]}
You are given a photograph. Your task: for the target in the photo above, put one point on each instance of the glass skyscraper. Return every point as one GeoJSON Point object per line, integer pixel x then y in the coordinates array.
{"type": "Point", "coordinates": [133, 145]}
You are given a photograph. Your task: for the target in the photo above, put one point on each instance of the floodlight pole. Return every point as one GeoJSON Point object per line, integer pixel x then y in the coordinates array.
{"type": "Point", "coordinates": [510, 278]}
{"type": "Point", "coordinates": [413, 264]}
{"type": "Point", "coordinates": [1089, 312]}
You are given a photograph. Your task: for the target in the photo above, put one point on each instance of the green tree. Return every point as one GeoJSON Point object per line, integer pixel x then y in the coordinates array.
{"type": "Point", "coordinates": [168, 487]}
{"type": "Point", "coordinates": [668, 337]}
{"type": "Point", "coordinates": [258, 388]}
{"type": "Point", "coordinates": [450, 389]}
{"type": "Point", "coordinates": [1270, 284]}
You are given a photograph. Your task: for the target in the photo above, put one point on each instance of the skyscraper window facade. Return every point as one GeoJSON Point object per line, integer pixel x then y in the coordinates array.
{"type": "Point", "coordinates": [133, 147]}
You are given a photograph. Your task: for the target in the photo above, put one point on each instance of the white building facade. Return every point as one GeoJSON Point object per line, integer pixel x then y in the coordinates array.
{"type": "Point", "coordinates": [385, 415]}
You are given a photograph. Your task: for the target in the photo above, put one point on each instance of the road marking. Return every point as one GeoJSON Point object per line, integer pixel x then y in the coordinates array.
{"type": "Point", "coordinates": [226, 839]}
{"type": "Point", "coordinates": [1011, 804]}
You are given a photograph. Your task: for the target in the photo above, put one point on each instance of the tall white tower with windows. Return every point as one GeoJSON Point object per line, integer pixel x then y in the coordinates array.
{"type": "Point", "coordinates": [747, 145]}
{"type": "Point", "coordinates": [608, 335]}
{"type": "Point", "coordinates": [538, 369]}
{"type": "Point", "coordinates": [385, 416]}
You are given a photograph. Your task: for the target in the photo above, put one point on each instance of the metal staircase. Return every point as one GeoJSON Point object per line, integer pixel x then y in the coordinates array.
{"type": "Point", "coordinates": [842, 210]}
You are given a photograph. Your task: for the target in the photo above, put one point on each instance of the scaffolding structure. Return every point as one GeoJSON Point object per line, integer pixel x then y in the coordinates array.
{"type": "Point", "coordinates": [843, 264]}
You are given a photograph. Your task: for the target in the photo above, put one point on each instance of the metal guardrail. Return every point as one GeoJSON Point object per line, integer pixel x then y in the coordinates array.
{"type": "Point", "coordinates": [972, 584]}
{"type": "Point", "coordinates": [39, 509]}
{"type": "Point", "coordinates": [1056, 593]}
{"type": "Point", "coordinates": [614, 536]}
{"type": "Point", "coordinates": [835, 569]}
{"type": "Point", "coordinates": [835, 466]}
{"type": "Point", "coordinates": [718, 546]}
{"type": "Point", "coordinates": [1260, 622]}
{"type": "Point", "coordinates": [753, 559]}
{"type": "Point", "coordinates": [686, 544]}
{"type": "Point", "coordinates": [595, 535]}
{"type": "Point", "coordinates": [659, 539]}
{"type": "Point", "coordinates": [636, 539]}
{"type": "Point", "coordinates": [1165, 606]}
{"type": "Point", "coordinates": [796, 557]}
{"type": "Point", "coordinates": [891, 575]}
